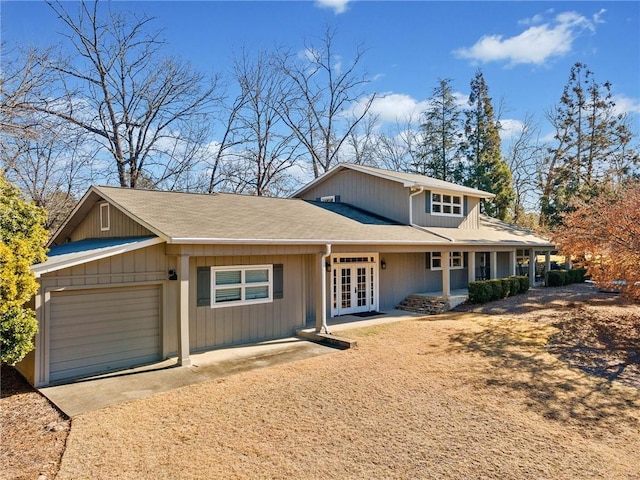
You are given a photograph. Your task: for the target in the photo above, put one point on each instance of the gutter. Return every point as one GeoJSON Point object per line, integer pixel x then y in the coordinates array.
{"type": "Point", "coordinates": [323, 310]}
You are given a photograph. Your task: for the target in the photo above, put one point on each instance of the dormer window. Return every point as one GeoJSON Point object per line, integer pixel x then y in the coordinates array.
{"type": "Point", "coordinates": [446, 204]}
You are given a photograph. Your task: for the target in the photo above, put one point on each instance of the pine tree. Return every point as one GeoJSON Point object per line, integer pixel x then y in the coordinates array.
{"type": "Point", "coordinates": [591, 151]}
{"type": "Point", "coordinates": [486, 169]}
{"type": "Point", "coordinates": [22, 243]}
{"type": "Point", "coordinates": [438, 155]}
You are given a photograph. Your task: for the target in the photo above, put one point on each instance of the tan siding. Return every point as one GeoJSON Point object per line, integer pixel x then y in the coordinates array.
{"type": "Point", "coordinates": [120, 226]}
{"type": "Point", "coordinates": [240, 250]}
{"type": "Point", "coordinates": [212, 327]}
{"type": "Point", "coordinates": [384, 197]}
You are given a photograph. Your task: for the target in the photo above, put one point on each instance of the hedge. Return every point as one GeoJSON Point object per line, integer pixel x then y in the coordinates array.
{"type": "Point", "coordinates": [484, 291]}
{"type": "Point", "coordinates": [558, 278]}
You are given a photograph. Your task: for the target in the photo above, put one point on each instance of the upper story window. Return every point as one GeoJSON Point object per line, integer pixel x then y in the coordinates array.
{"type": "Point", "coordinates": [446, 204]}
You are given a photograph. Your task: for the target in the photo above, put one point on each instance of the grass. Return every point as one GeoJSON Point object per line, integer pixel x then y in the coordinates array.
{"type": "Point", "coordinates": [464, 396]}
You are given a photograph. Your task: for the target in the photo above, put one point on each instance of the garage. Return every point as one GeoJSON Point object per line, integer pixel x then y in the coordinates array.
{"type": "Point", "coordinates": [94, 331]}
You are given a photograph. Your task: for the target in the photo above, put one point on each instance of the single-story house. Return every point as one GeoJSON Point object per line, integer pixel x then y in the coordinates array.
{"type": "Point", "coordinates": [137, 276]}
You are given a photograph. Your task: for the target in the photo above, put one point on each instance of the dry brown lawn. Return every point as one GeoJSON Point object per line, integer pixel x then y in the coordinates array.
{"type": "Point", "coordinates": [455, 396]}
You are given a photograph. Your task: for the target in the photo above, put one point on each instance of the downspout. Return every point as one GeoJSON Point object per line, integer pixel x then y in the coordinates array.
{"type": "Point", "coordinates": [323, 310]}
{"type": "Point", "coordinates": [411, 195]}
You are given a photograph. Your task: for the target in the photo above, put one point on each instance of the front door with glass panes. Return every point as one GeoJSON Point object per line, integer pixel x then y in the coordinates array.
{"type": "Point", "coordinates": [354, 284]}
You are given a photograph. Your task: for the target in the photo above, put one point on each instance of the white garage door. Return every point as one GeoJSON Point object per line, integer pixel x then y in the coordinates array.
{"type": "Point", "coordinates": [95, 331]}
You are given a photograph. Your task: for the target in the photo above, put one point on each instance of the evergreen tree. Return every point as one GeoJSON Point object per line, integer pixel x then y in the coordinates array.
{"type": "Point", "coordinates": [591, 152]}
{"type": "Point", "coordinates": [486, 169]}
{"type": "Point", "coordinates": [22, 243]}
{"type": "Point", "coordinates": [438, 155]}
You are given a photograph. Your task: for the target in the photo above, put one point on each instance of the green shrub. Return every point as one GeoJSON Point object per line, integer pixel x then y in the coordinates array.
{"type": "Point", "coordinates": [524, 283]}
{"type": "Point", "coordinates": [556, 278]}
{"type": "Point", "coordinates": [514, 286]}
{"type": "Point", "coordinates": [581, 273]}
{"type": "Point", "coordinates": [479, 292]}
{"type": "Point", "coordinates": [496, 287]}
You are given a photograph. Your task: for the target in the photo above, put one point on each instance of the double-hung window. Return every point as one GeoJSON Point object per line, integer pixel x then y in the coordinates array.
{"type": "Point", "coordinates": [446, 204]}
{"type": "Point", "coordinates": [241, 285]}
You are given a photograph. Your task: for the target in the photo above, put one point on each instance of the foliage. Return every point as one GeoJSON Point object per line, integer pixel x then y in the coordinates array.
{"type": "Point", "coordinates": [558, 278]}
{"type": "Point", "coordinates": [604, 234]}
{"type": "Point", "coordinates": [487, 170]}
{"type": "Point", "coordinates": [483, 291]}
{"type": "Point", "coordinates": [22, 243]}
{"type": "Point", "coordinates": [439, 155]}
{"type": "Point", "coordinates": [591, 147]}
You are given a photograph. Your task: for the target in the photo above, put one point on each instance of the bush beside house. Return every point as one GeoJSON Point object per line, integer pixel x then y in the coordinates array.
{"type": "Point", "coordinates": [558, 278]}
{"type": "Point", "coordinates": [484, 291]}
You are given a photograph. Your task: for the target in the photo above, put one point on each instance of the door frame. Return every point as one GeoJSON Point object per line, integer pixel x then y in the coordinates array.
{"type": "Point", "coordinates": [353, 261]}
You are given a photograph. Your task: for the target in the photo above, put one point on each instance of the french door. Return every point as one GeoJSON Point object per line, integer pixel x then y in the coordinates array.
{"type": "Point", "coordinates": [354, 286]}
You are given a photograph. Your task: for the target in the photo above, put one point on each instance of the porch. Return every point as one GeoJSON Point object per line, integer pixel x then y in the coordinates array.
{"type": "Point", "coordinates": [432, 303]}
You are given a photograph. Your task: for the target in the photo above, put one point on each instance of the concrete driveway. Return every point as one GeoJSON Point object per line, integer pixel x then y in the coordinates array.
{"type": "Point", "coordinates": [111, 389]}
{"type": "Point", "coordinates": [98, 392]}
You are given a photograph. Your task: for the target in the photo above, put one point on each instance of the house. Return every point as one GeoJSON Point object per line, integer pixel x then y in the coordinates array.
{"type": "Point", "coordinates": [137, 276]}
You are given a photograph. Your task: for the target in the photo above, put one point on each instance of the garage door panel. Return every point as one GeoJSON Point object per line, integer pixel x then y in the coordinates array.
{"type": "Point", "coordinates": [98, 330]}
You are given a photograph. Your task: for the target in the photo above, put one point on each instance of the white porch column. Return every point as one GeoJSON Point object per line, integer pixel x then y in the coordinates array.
{"type": "Point", "coordinates": [512, 261]}
{"type": "Point", "coordinates": [493, 268]}
{"type": "Point", "coordinates": [532, 267]}
{"type": "Point", "coordinates": [471, 266]}
{"type": "Point", "coordinates": [446, 275]}
{"type": "Point", "coordinates": [547, 261]}
{"type": "Point", "coordinates": [183, 340]}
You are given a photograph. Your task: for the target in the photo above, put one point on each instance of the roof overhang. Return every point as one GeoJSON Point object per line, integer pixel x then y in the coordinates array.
{"type": "Point", "coordinates": [84, 251]}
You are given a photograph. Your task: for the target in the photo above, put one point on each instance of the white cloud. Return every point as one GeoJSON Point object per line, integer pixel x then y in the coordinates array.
{"type": "Point", "coordinates": [390, 107]}
{"type": "Point", "coordinates": [625, 104]}
{"type": "Point", "coordinates": [338, 6]}
{"type": "Point", "coordinates": [509, 128]}
{"type": "Point", "coordinates": [535, 45]}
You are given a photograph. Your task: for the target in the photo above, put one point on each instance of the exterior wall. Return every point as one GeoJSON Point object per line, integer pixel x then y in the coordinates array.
{"type": "Point", "coordinates": [213, 327]}
{"type": "Point", "coordinates": [384, 197]}
{"type": "Point", "coordinates": [406, 274]}
{"type": "Point", "coordinates": [120, 225]}
{"type": "Point", "coordinates": [138, 267]}
{"type": "Point", "coordinates": [421, 217]}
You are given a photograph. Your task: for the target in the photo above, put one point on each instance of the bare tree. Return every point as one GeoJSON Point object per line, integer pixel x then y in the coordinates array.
{"type": "Point", "coordinates": [361, 143]}
{"type": "Point", "coordinates": [322, 89]}
{"type": "Point", "coordinates": [524, 157]}
{"type": "Point", "coordinates": [397, 147]}
{"type": "Point", "coordinates": [141, 107]}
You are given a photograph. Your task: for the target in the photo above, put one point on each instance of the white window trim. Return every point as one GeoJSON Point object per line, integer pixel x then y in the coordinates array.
{"type": "Point", "coordinates": [328, 199]}
{"type": "Point", "coordinates": [452, 256]}
{"type": "Point", "coordinates": [242, 285]}
{"type": "Point", "coordinates": [105, 216]}
{"type": "Point", "coordinates": [442, 204]}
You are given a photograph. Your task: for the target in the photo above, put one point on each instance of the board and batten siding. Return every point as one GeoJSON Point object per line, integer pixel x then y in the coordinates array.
{"type": "Point", "coordinates": [214, 327]}
{"type": "Point", "coordinates": [406, 274]}
{"type": "Point", "coordinates": [146, 265]}
{"type": "Point", "coordinates": [384, 197]}
{"type": "Point", "coordinates": [120, 225]}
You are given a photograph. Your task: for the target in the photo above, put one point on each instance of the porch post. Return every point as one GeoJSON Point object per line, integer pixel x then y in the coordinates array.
{"type": "Point", "coordinates": [183, 341]}
{"type": "Point", "coordinates": [493, 269]}
{"type": "Point", "coordinates": [471, 266]}
{"type": "Point", "coordinates": [532, 267]}
{"type": "Point", "coordinates": [513, 260]}
{"type": "Point", "coordinates": [446, 277]}
{"type": "Point", "coordinates": [547, 261]}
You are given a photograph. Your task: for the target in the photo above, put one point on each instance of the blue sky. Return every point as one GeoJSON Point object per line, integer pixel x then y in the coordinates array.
{"type": "Point", "coordinates": [525, 49]}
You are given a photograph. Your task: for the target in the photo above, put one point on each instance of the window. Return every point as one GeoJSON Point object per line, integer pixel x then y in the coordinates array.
{"type": "Point", "coordinates": [241, 285]}
{"type": "Point", "coordinates": [522, 262]}
{"type": "Point", "coordinates": [445, 204]}
{"type": "Point", "coordinates": [328, 198]}
{"type": "Point", "coordinates": [105, 221]}
{"type": "Point", "coordinates": [204, 286]}
{"type": "Point", "coordinates": [434, 260]}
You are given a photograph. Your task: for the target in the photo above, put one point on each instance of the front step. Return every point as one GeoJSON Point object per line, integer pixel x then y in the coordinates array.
{"type": "Point", "coordinates": [426, 304]}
